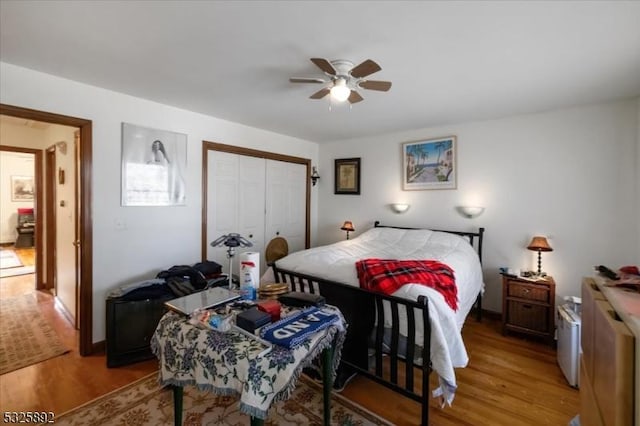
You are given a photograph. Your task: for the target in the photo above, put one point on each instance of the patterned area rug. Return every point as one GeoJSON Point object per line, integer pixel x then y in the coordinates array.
{"type": "Point", "coordinates": [13, 272]}
{"type": "Point", "coordinates": [25, 336]}
{"type": "Point", "coordinates": [145, 403]}
{"type": "Point", "coordinates": [9, 259]}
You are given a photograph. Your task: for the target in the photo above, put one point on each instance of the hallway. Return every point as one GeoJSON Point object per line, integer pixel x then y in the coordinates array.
{"type": "Point", "coordinates": [64, 382]}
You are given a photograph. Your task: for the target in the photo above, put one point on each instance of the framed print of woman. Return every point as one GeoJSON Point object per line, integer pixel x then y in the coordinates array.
{"type": "Point", "coordinates": [153, 165]}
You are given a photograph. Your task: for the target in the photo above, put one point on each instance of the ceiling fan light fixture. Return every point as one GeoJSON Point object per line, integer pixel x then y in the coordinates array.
{"type": "Point", "coordinates": [341, 80]}
{"type": "Point", "coordinates": [340, 92]}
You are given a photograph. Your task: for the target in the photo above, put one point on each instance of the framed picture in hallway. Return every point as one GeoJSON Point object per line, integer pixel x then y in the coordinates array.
{"type": "Point", "coordinates": [429, 164]}
{"type": "Point", "coordinates": [154, 164]}
{"type": "Point", "coordinates": [22, 188]}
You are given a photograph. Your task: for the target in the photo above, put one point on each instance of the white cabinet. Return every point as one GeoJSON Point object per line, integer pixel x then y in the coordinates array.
{"type": "Point", "coordinates": [257, 198]}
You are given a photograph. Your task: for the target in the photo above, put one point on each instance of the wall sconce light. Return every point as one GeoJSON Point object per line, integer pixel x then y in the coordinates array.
{"type": "Point", "coordinates": [348, 226]}
{"type": "Point", "coordinates": [400, 207]}
{"type": "Point", "coordinates": [539, 244]}
{"type": "Point", "coordinates": [470, 212]}
{"type": "Point", "coordinates": [62, 147]}
{"type": "Point", "coordinates": [314, 176]}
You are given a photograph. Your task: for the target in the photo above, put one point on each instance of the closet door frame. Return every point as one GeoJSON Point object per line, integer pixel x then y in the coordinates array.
{"type": "Point", "coordinates": [214, 146]}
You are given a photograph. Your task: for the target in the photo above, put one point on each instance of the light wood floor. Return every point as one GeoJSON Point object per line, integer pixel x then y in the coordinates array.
{"type": "Point", "coordinates": [64, 382]}
{"type": "Point", "coordinates": [509, 380]}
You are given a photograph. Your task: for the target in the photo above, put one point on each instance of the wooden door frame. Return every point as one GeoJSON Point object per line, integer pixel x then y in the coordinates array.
{"type": "Point", "coordinates": [231, 149]}
{"type": "Point", "coordinates": [50, 213]}
{"type": "Point", "coordinates": [85, 345]}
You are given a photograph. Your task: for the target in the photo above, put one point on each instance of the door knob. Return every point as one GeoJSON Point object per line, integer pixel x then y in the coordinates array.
{"type": "Point", "coordinates": [76, 243]}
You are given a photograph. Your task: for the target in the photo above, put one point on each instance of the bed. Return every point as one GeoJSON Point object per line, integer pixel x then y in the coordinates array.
{"type": "Point", "coordinates": [383, 342]}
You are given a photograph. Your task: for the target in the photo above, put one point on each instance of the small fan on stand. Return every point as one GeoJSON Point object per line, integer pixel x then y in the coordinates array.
{"type": "Point", "coordinates": [342, 79]}
{"type": "Point", "coordinates": [231, 241]}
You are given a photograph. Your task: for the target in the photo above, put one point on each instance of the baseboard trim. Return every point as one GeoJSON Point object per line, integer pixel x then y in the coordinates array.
{"type": "Point", "coordinates": [99, 347]}
{"type": "Point", "coordinates": [487, 314]}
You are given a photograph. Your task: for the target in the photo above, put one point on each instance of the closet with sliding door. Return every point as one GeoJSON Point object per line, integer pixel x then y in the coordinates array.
{"type": "Point", "coordinates": [257, 194]}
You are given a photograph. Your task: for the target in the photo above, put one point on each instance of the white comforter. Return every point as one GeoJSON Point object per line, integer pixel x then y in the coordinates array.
{"type": "Point", "coordinates": [336, 262]}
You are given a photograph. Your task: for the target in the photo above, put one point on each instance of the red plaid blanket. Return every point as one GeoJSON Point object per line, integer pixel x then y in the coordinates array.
{"type": "Point", "coordinates": [386, 276]}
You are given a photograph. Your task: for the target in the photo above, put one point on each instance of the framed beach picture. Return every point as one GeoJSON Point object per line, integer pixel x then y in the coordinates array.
{"type": "Point", "coordinates": [22, 188]}
{"type": "Point", "coordinates": [429, 164]}
{"type": "Point", "coordinates": [347, 179]}
{"type": "Point", "coordinates": [153, 166]}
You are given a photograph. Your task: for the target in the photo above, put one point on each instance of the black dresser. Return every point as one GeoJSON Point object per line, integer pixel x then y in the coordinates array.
{"type": "Point", "coordinates": [130, 326]}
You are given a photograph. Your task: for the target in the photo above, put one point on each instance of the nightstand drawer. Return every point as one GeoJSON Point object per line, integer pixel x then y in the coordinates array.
{"type": "Point", "coordinates": [528, 315]}
{"type": "Point", "coordinates": [530, 292]}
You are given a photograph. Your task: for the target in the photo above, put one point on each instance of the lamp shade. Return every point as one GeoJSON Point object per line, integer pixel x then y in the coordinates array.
{"type": "Point", "coordinates": [348, 226]}
{"type": "Point", "coordinates": [539, 243]}
{"type": "Point", "coordinates": [340, 92]}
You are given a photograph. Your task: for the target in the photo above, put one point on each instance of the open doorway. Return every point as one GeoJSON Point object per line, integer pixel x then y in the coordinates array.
{"type": "Point", "coordinates": [76, 214]}
{"type": "Point", "coordinates": [20, 178]}
{"type": "Point", "coordinates": [18, 200]}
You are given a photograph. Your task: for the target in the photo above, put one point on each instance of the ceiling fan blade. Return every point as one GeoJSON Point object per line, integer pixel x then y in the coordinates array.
{"type": "Point", "coordinates": [365, 68]}
{"type": "Point", "coordinates": [324, 65]}
{"type": "Point", "coordinates": [382, 86]}
{"type": "Point", "coordinates": [355, 97]}
{"type": "Point", "coordinates": [320, 94]}
{"type": "Point", "coordinates": [306, 80]}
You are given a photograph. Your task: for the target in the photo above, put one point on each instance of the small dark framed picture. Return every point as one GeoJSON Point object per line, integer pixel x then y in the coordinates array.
{"type": "Point", "coordinates": [347, 179]}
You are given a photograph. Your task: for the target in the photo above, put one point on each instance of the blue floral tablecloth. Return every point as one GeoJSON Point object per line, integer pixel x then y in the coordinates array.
{"type": "Point", "coordinates": [228, 363]}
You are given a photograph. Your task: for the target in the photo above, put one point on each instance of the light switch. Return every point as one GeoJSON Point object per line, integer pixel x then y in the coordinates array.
{"type": "Point", "coordinates": [120, 224]}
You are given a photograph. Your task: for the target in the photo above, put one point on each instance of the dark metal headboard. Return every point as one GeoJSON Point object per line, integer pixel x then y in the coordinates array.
{"type": "Point", "coordinates": [471, 236]}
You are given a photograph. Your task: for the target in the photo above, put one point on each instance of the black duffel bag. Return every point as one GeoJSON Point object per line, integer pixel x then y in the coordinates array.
{"type": "Point", "coordinates": [209, 268]}
{"type": "Point", "coordinates": [196, 278]}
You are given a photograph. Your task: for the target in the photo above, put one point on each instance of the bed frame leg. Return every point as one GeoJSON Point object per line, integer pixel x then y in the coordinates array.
{"type": "Point", "coordinates": [479, 308]}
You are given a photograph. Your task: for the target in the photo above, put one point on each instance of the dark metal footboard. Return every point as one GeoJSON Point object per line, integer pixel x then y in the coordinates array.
{"type": "Point", "coordinates": [391, 364]}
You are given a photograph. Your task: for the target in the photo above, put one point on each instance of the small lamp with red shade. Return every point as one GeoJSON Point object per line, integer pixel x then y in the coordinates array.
{"type": "Point", "coordinates": [539, 244]}
{"type": "Point", "coordinates": [348, 226]}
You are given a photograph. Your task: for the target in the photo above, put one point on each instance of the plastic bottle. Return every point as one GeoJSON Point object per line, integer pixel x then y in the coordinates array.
{"type": "Point", "coordinates": [247, 288]}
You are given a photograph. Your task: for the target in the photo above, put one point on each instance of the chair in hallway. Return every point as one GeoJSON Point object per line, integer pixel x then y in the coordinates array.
{"type": "Point", "coordinates": [25, 228]}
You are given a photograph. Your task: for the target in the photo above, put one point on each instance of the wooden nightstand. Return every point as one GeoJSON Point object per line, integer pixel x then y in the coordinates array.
{"type": "Point", "coordinates": [528, 306]}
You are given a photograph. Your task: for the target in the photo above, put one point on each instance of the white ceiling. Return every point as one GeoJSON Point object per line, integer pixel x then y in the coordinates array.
{"type": "Point", "coordinates": [449, 61]}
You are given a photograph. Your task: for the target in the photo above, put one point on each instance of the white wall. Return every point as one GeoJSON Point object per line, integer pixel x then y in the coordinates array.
{"type": "Point", "coordinates": [12, 164]}
{"type": "Point", "coordinates": [23, 137]}
{"type": "Point", "coordinates": [570, 175]}
{"type": "Point", "coordinates": [15, 164]}
{"type": "Point", "coordinates": [149, 238]}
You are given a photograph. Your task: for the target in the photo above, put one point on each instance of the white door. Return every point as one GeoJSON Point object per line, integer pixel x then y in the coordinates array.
{"type": "Point", "coordinates": [286, 203]}
{"type": "Point", "coordinates": [235, 203]}
{"type": "Point", "coordinates": [222, 202]}
{"type": "Point", "coordinates": [251, 207]}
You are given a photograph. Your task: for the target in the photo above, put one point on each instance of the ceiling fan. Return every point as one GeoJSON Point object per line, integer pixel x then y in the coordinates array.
{"type": "Point", "coordinates": [343, 78]}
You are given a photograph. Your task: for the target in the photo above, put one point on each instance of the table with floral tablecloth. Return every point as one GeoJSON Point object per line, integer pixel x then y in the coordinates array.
{"type": "Point", "coordinates": [228, 363]}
